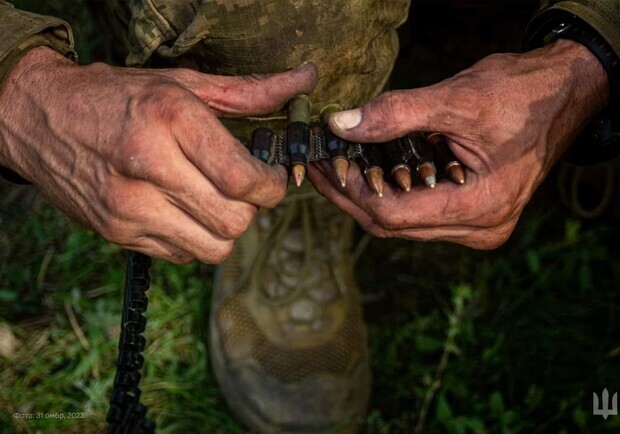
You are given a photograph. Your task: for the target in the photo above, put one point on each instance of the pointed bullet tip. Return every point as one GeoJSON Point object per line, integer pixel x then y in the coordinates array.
{"type": "Point", "coordinates": [402, 176]}
{"type": "Point", "coordinates": [299, 173]}
{"type": "Point", "coordinates": [430, 181]}
{"type": "Point", "coordinates": [427, 174]}
{"type": "Point", "coordinates": [374, 176]}
{"type": "Point", "coordinates": [341, 168]}
{"type": "Point", "coordinates": [456, 173]}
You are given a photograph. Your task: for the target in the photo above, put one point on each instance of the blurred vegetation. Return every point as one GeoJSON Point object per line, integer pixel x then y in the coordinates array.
{"type": "Point", "coordinates": [509, 341]}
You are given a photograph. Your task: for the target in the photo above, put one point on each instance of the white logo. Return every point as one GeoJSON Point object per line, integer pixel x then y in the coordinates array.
{"type": "Point", "coordinates": [604, 409]}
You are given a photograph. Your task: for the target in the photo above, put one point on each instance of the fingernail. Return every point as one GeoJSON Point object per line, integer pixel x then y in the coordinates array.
{"type": "Point", "coordinates": [306, 64]}
{"type": "Point", "coordinates": [347, 119]}
{"type": "Point", "coordinates": [299, 67]}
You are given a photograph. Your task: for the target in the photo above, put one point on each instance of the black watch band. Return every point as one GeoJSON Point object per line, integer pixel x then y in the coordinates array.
{"type": "Point", "coordinates": [563, 25]}
{"type": "Point", "coordinates": [582, 33]}
{"type": "Point", "coordinates": [600, 140]}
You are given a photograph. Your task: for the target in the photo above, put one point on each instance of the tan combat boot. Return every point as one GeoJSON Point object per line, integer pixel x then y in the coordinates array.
{"type": "Point", "coordinates": [287, 339]}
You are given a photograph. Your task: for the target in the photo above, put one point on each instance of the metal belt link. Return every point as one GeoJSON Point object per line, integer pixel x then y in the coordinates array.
{"type": "Point", "coordinates": [127, 415]}
{"type": "Point", "coordinates": [307, 144]}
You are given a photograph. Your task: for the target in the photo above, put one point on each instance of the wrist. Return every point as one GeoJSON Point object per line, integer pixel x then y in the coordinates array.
{"type": "Point", "coordinates": [563, 86]}
{"type": "Point", "coordinates": [24, 86]}
{"type": "Point", "coordinates": [589, 80]}
{"type": "Point", "coordinates": [591, 140]}
{"type": "Point", "coordinates": [599, 140]}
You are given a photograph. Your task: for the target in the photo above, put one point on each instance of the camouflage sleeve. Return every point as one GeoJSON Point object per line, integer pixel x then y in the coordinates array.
{"type": "Point", "coordinates": [21, 31]}
{"type": "Point", "coordinates": [602, 15]}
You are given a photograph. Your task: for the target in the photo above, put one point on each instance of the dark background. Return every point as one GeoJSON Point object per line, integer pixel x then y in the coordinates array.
{"type": "Point", "coordinates": [513, 340]}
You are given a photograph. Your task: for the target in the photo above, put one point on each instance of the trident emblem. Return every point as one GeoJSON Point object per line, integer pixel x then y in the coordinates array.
{"type": "Point", "coordinates": [604, 409]}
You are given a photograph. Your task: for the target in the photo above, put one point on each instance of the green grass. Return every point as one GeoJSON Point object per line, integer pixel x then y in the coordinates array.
{"type": "Point", "coordinates": [538, 333]}
{"type": "Point", "coordinates": [53, 270]}
{"type": "Point", "coordinates": [509, 341]}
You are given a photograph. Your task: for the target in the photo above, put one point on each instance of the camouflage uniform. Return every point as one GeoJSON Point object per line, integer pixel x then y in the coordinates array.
{"type": "Point", "coordinates": [354, 44]}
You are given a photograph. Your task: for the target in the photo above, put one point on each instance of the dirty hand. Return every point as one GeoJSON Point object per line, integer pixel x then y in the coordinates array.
{"type": "Point", "coordinates": [508, 119]}
{"type": "Point", "coordinates": [140, 155]}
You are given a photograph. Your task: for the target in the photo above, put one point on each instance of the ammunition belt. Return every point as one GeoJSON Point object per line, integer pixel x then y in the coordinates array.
{"type": "Point", "coordinates": [126, 414]}
{"type": "Point", "coordinates": [295, 147]}
{"type": "Point", "coordinates": [299, 144]}
{"type": "Point", "coordinates": [427, 155]}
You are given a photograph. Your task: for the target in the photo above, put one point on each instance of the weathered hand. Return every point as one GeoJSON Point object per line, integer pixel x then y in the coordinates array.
{"type": "Point", "coordinates": [140, 155]}
{"type": "Point", "coordinates": [508, 119]}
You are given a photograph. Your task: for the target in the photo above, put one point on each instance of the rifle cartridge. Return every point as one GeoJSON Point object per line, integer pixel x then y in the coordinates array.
{"type": "Point", "coordinates": [424, 154]}
{"type": "Point", "coordinates": [298, 136]}
{"type": "Point", "coordinates": [452, 167]}
{"type": "Point", "coordinates": [399, 169]}
{"type": "Point", "coordinates": [373, 172]}
{"type": "Point", "coordinates": [337, 148]}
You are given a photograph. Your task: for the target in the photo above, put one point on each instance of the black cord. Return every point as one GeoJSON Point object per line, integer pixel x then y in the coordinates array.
{"type": "Point", "coordinates": [127, 415]}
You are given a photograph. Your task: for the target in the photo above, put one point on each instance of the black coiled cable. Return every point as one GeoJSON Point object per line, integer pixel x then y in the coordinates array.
{"type": "Point", "coordinates": [127, 415]}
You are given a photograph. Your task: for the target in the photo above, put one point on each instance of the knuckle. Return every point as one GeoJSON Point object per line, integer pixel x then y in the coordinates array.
{"type": "Point", "coordinates": [158, 94]}
{"type": "Point", "coordinates": [498, 60]}
{"type": "Point", "coordinates": [387, 102]}
{"type": "Point", "coordinates": [252, 78]}
{"type": "Point", "coordinates": [115, 231]}
{"type": "Point", "coordinates": [277, 195]}
{"type": "Point", "coordinates": [235, 226]}
{"type": "Point", "coordinates": [387, 116]}
{"type": "Point", "coordinates": [139, 158]}
{"type": "Point", "coordinates": [121, 206]}
{"type": "Point", "coordinates": [231, 230]}
{"type": "Point", "coordinates": [221, 252]}
{"type": "Point", "coordinates": [100, 69]}
{"type": "Point", "coordinates": [238, 183]}
{"type": "Point", "coordinates": [163, 101]}
{"type": "Point", "coordinates": [259, 98]}
{"type": "Point", "coordinates": [180, 258]}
